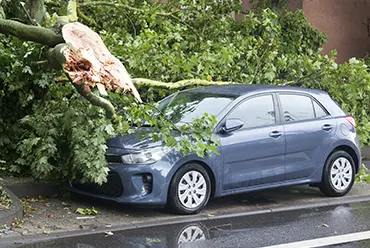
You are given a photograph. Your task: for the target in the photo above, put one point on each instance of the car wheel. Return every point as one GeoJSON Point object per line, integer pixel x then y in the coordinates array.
{"type": "Point", "coordinates": [189, 190]}
{"type": "Point", "coordinates": [338, 175]}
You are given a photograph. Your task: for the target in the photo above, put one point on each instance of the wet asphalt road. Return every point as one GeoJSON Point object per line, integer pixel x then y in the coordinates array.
{"type": "Point", "coordinates": [250, 231]}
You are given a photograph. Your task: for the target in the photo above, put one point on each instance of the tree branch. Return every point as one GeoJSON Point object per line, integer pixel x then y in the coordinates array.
{"type": "Point", "coordinates": [30, 33]}
{"type": "Point", "coordinates": [87, 19]}
{"type": "Point", "coordinates": [259, 63]}
{"type": "Point", "coordinates": [72, 11]}
{"type": "Point", "coordinates": [177, 85]}
{"type": "Point", "coordinates": [37, 10]}
{"type": "Point", "coordinates": [96, 100]}
{"type": "Point", "coordinates": [144, 82]}
{"type": "Point", "coordinates": [32, 21]}
{"type": "Point", "coordinates": [300, 81]}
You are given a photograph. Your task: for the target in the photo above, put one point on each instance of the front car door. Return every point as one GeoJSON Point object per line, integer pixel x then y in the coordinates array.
{"type": "Point", "coordinates": [308, 130]}
{"type": "Point", "coordinates": [254, 154]}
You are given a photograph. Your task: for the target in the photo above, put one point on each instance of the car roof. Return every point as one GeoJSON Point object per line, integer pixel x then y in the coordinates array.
{"type": "Point", "coordinates": [242, 89]}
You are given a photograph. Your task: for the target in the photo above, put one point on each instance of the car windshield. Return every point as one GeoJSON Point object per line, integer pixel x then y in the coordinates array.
{"type": "Point", "coordinates": [186, 105]}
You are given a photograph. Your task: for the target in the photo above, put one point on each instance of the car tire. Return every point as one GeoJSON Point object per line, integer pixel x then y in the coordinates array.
{"type": "Point", "coordinates": [189, 190]}
{"type": "Point", "coordinates": [338, 175]}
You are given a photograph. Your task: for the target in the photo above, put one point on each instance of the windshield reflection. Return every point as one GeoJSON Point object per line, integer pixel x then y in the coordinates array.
{"type": "Point", "coordinates": [185, 106]}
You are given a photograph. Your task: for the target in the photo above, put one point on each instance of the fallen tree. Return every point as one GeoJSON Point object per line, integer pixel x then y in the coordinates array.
{"type": "Point", "coordinates": [82, 55]}
{"type": "Point", "coordinates": [49, 130]}
{"type": "Point", "coordinates": [89, 66]}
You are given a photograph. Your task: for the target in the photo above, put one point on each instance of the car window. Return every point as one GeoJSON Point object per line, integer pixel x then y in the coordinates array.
{"type": "Point", "coordinates": [298, 108]}
{"type": "Point", "coordinates": [188, 105]}
{"type": "Point", "coordinates": [255, 112]}
{"type": "Point", "coordinates": [319, 111]}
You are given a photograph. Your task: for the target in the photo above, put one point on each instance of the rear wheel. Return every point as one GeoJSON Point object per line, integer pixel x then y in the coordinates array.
{"type": "Point", "coordinates": [189, 190]}
{"type": "Point", "coordinates": [338, 175]}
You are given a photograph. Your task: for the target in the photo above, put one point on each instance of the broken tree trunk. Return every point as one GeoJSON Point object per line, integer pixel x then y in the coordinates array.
{"type": "Point", "coordinates": [82, 55]}
{"type": "Point", "coordinates": [89, 62]}
{"type": "Point", "coordinates": [79, 51]}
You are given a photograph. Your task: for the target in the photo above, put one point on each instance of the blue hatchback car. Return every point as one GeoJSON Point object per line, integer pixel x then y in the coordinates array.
{"type": "Point", "coordinates": [270, 137]}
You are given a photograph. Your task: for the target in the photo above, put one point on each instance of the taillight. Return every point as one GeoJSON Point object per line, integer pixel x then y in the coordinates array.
{"type": "Point", "coordinates": [351, 120]}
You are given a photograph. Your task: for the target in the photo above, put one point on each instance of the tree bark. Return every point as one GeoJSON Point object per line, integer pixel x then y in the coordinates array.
{"type": "Point", "coordinates": [96, 100]}
{"type": "Point", "coordinates": [59, 60]}
{"type": "Point", "coordinates": [90, 61]}
{"type": "Point", "coordinates": [37, 10]}
{"type": "Point", "coordinates": [30, 33]}
{"type": "Point", "coordinates": [176, 85]}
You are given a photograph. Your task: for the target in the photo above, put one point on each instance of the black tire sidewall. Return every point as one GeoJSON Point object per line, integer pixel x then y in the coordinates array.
{"type": "Point", "coordinates": [173, 198]}
{"type": "Point", "coordinates": [327, 186]}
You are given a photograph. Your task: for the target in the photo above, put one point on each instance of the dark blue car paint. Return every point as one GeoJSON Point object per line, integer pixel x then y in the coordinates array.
{"type": "Point", "coordinates": [295, 157]}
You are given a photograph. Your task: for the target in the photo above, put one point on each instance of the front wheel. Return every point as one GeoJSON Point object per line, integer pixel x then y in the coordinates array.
{"type": "Point", "coordinates": [189, 190]}
{"type": "Point", "coordinates": [338, 175]}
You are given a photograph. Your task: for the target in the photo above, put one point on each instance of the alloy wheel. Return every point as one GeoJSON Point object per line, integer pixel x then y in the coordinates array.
{"type": "Point", "coordinates": [341, 173]}
{"type": "Point", "coordinates": [192, 189]}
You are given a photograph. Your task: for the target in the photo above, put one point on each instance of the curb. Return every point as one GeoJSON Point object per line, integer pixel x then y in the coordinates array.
{"type": "Point", "coordinates": [14, 212]}
{"type": "Point", "coordinates": [32, 189]}
{"type": "Point", "coordinates": [68, 234]}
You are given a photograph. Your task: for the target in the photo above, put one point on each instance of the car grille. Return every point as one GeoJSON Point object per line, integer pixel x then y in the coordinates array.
{"type": "Point", "coordinates": [112, 188]}
{"type": "Point", "coordinates": [113, 158]}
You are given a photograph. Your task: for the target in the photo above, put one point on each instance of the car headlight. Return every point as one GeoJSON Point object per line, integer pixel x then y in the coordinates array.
{"type": "Point", "coordinates": [146, 156]}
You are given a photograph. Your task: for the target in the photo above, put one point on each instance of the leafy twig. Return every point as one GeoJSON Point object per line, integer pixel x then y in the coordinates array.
{"type": "Point", "coordinates": [259, 63]}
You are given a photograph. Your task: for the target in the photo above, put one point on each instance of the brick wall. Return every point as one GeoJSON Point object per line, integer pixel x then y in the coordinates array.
{"type": "Point", "coordinates": [346, 23]}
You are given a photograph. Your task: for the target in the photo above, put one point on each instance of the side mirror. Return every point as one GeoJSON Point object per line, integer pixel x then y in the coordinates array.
{"type": "Point", "coordinates": [232, 124]}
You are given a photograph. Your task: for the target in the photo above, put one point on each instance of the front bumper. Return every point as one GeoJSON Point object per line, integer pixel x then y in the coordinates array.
{"type": "Point", "coordinates": [131, 184]}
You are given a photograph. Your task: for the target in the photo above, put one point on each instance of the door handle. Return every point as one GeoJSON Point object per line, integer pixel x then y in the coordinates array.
{"type": "Point", "coordinates": [327, 127]}
{"type": "Point", "coordinates": [275, 134]}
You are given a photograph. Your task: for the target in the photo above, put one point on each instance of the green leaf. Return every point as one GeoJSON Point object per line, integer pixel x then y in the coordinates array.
{"type": "Point", "coordinates": [270, 76]}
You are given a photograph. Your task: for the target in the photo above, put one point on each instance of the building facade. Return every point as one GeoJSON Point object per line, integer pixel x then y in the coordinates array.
{"type": "Point", "coordinates": [346, 24]}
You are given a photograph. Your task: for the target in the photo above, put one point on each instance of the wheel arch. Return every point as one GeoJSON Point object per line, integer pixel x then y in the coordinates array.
{"type": "Point", "coordinates": [351, 152]}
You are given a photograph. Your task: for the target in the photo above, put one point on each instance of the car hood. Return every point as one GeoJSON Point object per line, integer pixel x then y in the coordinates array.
{"type": "Point", "coordinates": [137, 140]}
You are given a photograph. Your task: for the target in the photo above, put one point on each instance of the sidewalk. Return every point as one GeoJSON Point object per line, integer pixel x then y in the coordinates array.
{"type": "Point", "coordinates": [55, 217]}
{"type": "Point", "coordinates": [367, 164]}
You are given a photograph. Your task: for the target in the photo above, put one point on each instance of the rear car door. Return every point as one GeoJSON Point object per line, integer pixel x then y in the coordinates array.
{"type": "Point", "coordinates": [309, 130]}
{"type": "Point", "coordinates": [254, 154]}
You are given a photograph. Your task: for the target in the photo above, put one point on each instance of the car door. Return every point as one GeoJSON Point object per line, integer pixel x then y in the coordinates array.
{"type": "Point", "coordinates": [309, 130]}
{"type": "Point", "coordinates": [253, 154]}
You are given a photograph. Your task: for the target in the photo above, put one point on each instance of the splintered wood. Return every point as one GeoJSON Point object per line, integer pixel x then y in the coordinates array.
{"type": "Point", "coordinates": [89, 62]}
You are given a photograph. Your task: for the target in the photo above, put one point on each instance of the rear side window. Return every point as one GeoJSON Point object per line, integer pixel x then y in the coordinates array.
{"type": "Point", "coordinates": [298, 108]}
{"type": "Point", "coordinates": [255, 112]}
{"type": "Point", "coordinates": [319, 111]}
